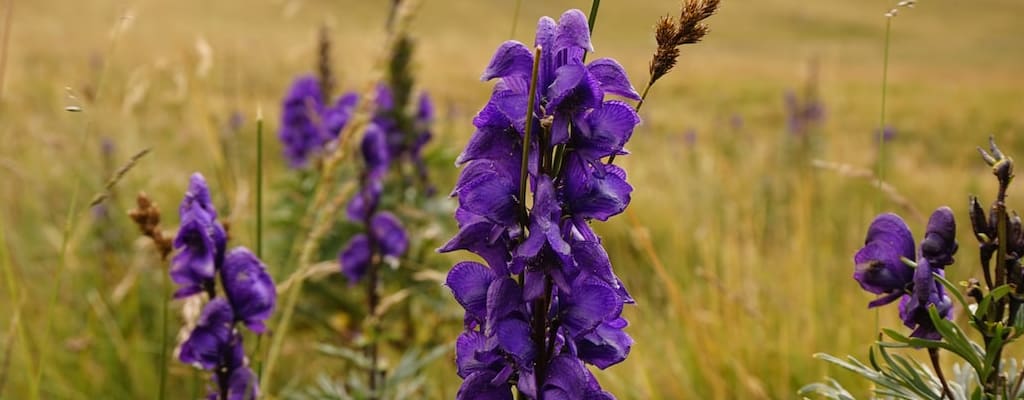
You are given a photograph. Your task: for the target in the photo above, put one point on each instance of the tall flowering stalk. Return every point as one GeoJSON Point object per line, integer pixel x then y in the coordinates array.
{"type": "Point", "coordinates": [247, 295]}
{"type": "Point", "coordinates": [547, 302]}
{"type": "Point", "coordinates": [885, 266]}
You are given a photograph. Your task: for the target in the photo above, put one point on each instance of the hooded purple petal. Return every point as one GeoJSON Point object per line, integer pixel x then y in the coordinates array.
{"type": "Point", "coordinates": [613, 78]}
{"type": "Point", "coordinates": [591, 195]}
{"type": "Point", "coordinates": [249, 288]}
{"type": "Point", "coordinates": [511, 59]}
{"type": "Point", "coordinates": [607, 345]}
{"type": "Point", "coordinates": [355, 258]}
{"type": "Point", "coordinates": [479, 386]}
{"type": "Point", "coordinates": [206, 345]}
{"type": "Point", "coordinates": [469, 282]}
{"type": "Point", "coordinates": [242, 385]}
{"type": "Point", "coordinates": [939, 244]}
{"type": "Point", "coordinates": [390, 235]}
{"type": "Point", "coordinates": [197, 195]}
{"type": "Point", "coordinates": [927, 292]}
{"type": "Point", "coordinates": [605, 131]}
{"type": "Point", "coordinates": [879, 266]}
{"type": "Point", "coordinates": [572, 32]}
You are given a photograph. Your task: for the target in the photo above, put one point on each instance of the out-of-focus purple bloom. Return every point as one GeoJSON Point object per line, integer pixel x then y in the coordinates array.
{"type": "Point", "coordinates": [205, 346]}
{"type": "Point", "coordinates": [302, 130]}
{"type": "Point", "coordinates": [375, 152]}
{"type": "Point", "coordinates": [803, 115]}
{"type": "Point", "coordinates": [355, 258]}
{"type": "Point", "coordinates": [242, 385]}
{"type": "Point", "coordinates": [736, 122]}
{"type": "Point", "coordinates": [390, 235]}
{"type": "Point", "coordinates": [690, 137]}
{"type": "Point", "coordinates": [881, 268]}
{"type": "Point", "coordinates": [886, 134]}
{"type": "Point", "coordinates": [249, 288]}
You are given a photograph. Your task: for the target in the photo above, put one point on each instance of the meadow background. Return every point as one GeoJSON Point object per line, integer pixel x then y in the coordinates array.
{"type": "Point", "coordinates": [737, 249]}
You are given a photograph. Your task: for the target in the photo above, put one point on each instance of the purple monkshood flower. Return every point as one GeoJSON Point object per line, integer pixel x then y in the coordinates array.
{"type": "Point", "coordinates": [881, 267]}
{"type": "Point", "coordinates": [547, 302]}
{"type": "Point", "coordinates": [249, 295]}
{"type": "Point", "coordinates": [249, 288]}
{"type": "Point", "coordinates": [200, 241]}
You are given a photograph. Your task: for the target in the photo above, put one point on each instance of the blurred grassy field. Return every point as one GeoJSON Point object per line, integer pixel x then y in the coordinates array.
{"type": "Point", "coordinates": [749, 270]}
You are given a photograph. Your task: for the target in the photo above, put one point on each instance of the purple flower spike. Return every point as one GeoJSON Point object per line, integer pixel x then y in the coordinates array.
{"type": "Point", "coordinates": [355, 258]}
{"type": "Point", "coordinates": [939, 244]}
{"type": "Point", "coordinates": [206, 344]}
{"type": "Point", "coordinates": [390, 235]}
{"type": "Point", "coordinates": [549, 301]}
{"type": "Point", "coordinates": [879, 265]}
{"type": "Point", "coordinates": [249, 288]}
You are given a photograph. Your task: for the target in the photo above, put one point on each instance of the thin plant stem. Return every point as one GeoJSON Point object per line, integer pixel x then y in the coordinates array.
{"type": "Point", "coordinates": [594, 6]}
{"type": "Point", "coordinates": [259, 223]}
{"type": "Point", "coordinates": [933, 354]}
{"type": "Point", "coordinates": [68, 223]}
{"type": "Point", "coordinates": [525, 165]}
{"type": "Point", "coordinates": [880, 160]}
{"type": "Point", "coordinates": [881, 117]}
{"type": "Point", "coordinates": [164, 299]}
{"type": "Point", "coordinates": [515, 18]}
{"type": "Point", "coordinates": [8, 15]}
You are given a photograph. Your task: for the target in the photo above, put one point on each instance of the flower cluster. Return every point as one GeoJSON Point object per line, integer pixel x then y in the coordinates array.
{"type": "Point", "coordinates": [248, 297]}
{"type": "Point", "coordinates": [885, 266]}
{"type": "Point", "coordinates": [309, 124]}
{"type": "Point", "coordinates": [547, 302]}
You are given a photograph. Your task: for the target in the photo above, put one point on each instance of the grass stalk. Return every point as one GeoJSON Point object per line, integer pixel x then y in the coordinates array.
{"type": "Point", "coordinates": [8, 15]}
{"type": "Point", "coordinates": [515, 18]}
{"type": "Point", "coordinates": [259, 223]}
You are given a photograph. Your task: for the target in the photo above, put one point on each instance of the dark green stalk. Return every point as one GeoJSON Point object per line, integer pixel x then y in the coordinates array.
{"type": "Point", "coordinates": [259, 224]}
{"type": "Point", "coordinates": [525, 165]}
{"type": "Point", "coordinates": [593, 14]}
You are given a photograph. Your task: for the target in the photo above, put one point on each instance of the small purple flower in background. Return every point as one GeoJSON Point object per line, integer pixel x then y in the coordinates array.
{"type": "Point", "coordinates": [548, 302]}
{"type": "Point", "coordinates": [886, 134]}
{"type": "Point", "coordinates": [690, 138]}
{"type": "Point", "coordinates": [215, 344]}
{"type": "Point", "coordinates": [881, 268]}
{"type": "Point", "coordinates": [803, 114]}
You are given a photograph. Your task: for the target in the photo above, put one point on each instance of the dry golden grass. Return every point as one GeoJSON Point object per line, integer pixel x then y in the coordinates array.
{"type": "Point", "coordinates": [736, 248]}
